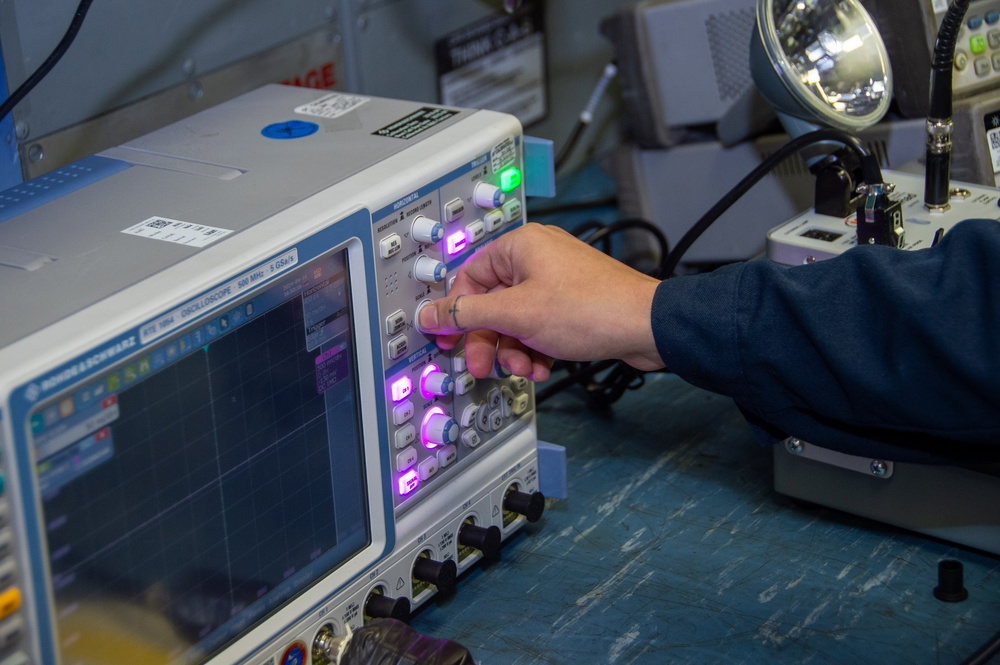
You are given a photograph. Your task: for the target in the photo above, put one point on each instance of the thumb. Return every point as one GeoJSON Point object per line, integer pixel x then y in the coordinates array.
{"type": "Point", "coordinates": [459, 314]}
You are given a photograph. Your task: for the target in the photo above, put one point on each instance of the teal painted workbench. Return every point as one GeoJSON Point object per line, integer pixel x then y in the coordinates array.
{"type": "Point", "coordinates": [674, 548]}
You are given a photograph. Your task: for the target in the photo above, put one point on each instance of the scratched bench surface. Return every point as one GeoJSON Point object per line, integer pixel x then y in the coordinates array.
{"type": "Point", "coordinates": [674, 547]}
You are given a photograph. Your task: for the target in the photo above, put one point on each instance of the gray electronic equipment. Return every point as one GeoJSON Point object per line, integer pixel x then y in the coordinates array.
{"type": "Point", "coordinates": [909, 30]}
{"type": "Point", "coordinates": [952, 503]}
{"type": "Point", "coordinates": [680, 63]}
{"type": "Point", "coordinates": [222, 438]}
{"type": "Point", "coordinates": [674, 187]}
{"type": "Point", "coordinates": [134, 68]}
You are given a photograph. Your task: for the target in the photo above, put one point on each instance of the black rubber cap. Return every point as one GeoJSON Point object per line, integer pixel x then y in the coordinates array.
{"type": "Point", "coordinates": [379, 606]}
{"type": "Point", "coordinates": [530, 505]}
{"type": "Point", "coordinates": [485, 539]}
{"type": "Point", "coordinates": [950, 587]}
{"type": "Point", "coordinates": [441, 574]}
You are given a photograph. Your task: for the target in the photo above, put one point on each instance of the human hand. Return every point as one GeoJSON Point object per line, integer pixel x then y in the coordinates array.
{"type": "Point", "coordinates": [537, 294]}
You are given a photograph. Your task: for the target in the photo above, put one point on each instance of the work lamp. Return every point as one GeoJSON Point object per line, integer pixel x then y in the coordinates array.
{"type": "Point", "coordinates": [820, 63]}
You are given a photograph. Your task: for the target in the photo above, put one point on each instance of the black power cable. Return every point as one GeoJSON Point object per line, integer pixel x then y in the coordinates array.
{"type": "Point", "coordinates": [50, 62]}
{"type": "Point", "coordinates": [604, 382]}
{"type": "Point", "coordinates": [985, 652]}
{"type": "Point", "coordinates": [869, 165]}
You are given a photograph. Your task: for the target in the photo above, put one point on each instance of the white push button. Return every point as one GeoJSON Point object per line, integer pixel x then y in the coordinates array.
{"type": "Point", "coordinates": [446, 455]}
{"type": "Point", "coordinates": [521, 403]}
{"type": "Point", "coordinates": [397, 346]}
{"type": "Point", "coordinates": [469, 413]}
{"type": "Point", "coordinates": [512, 210]}
{"type": "Point", "coordinates": [390, 245]}
{"type": "Point", "coordinates": [506, 402]}
{"type": "Point", "coordinates": [471, 438]}
{"type": "Point", "coordinates": [475, 231]}
{"type": "Point", "coordinates": [406, 459]}
{"type": "Point", "coordinates": [427, 468]}
{"type": "Point", "coordinates": [402, 412]}
{"type": "Point", "coordinates": [464, 383]}
{"type": "Point", "coordinates": [395, 322]}
{"type": "Point", "coordinates": [494, 220]}
{"type": "Point", "coordinates": [482, 418]}
{"type": "Point", "coordinates": [405, 436]}
{"type": "Point", "coordinates": [453, 210]}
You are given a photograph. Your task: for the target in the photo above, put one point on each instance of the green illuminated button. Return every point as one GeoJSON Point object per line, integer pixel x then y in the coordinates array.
{"type": "Point", "coordinates": [977, 44]}
{"type": "Point", "coordinates": [510, 179]}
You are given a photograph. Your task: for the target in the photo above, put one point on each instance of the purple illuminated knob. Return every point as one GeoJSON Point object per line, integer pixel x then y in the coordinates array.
{"type": "Point", "coordinates": [439, 429]}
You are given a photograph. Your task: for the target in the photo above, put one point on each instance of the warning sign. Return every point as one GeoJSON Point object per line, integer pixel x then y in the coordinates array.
{"type": "Point", "coordinates": [415, 123]}
{"type": "Point", "coordinates": [497, 64]}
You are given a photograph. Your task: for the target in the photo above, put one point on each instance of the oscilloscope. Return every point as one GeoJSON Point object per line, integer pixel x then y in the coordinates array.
{"type": "Point", "coordinates": [223, 439]}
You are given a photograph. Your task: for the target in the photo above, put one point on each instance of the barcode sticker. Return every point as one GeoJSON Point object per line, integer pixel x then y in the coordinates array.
{"type": "Point", "coordinates": [173, 230]}
{"type": "Point", "coordinates": [993, 136]}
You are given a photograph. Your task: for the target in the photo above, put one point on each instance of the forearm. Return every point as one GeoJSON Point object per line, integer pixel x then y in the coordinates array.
{"type": "Point", "coordinates": [877, 345]}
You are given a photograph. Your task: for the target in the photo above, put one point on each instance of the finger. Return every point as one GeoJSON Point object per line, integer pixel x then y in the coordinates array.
{"type": "Point", "coordinates": [462, 313]}
{"type": "Point", "coordinates": [514, 356]}
{"type": "Point", "coordinates": [541, 366]}
{"type": "Point", "coordinates": [480, 352]}
{"type": "Point", "coordinates": [448, 342]}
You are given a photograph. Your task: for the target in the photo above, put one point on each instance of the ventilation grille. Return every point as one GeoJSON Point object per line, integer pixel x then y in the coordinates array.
{"type": "Point", "coordinates": [729, 41]}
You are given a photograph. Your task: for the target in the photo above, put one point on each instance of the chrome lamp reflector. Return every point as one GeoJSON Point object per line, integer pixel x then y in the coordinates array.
{"type": "Point", "coordinates": [821, 61]}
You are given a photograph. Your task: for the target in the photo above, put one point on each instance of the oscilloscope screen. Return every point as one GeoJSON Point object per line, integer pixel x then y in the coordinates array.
{"type": "Point", "coordinates": [190, 493]}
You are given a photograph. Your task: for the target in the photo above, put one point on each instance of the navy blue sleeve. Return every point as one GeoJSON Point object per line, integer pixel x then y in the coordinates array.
{"type": "Point", "coordinates": [878, 352]}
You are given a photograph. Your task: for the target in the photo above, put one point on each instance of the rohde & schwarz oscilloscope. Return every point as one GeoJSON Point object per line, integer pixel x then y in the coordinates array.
{"type": "Point", "coordinates": [223, 440]}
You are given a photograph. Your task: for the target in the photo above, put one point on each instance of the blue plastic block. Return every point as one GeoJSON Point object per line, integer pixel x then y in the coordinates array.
{"type": "Point", "coordinates": [552, 470]}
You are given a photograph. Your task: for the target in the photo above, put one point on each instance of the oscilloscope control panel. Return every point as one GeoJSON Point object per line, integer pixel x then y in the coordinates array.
{"type": "Point", "coordinates": [439, 414]}
{"type": "Point", "coordinates": [223, 438]}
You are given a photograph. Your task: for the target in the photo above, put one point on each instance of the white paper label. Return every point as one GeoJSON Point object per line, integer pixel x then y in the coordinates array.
{"type": "Point", "coordinates": [173, 230]}
{"type": "Point", "coordinates": [510, 80]}
{"type": "Point", "coordinates": [332, 106]}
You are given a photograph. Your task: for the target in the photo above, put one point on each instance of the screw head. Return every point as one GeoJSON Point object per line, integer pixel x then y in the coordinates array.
{"type": "Point", "coordinates": [794, 446]}
{"type": "Point", "coordinates": [879, 468]}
